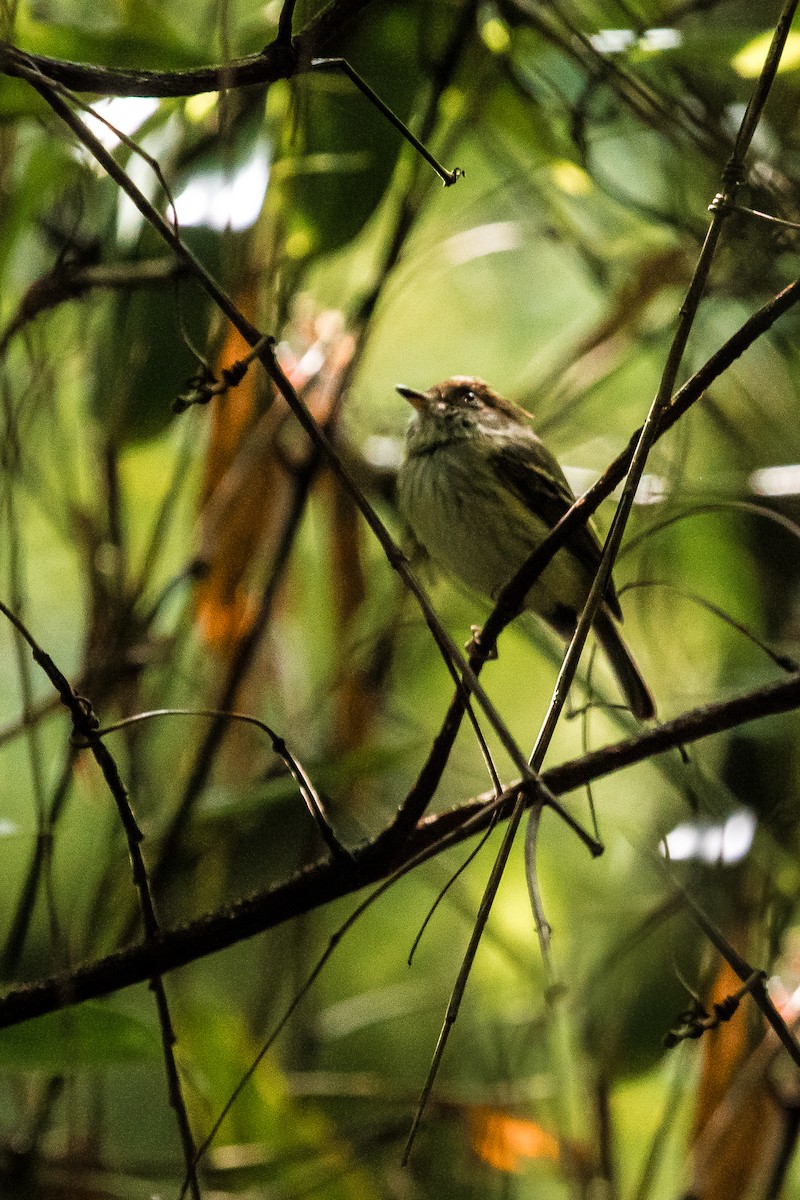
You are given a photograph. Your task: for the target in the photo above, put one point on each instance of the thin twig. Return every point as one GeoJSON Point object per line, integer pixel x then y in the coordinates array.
{"type": "Point", "coordinates": [543, 929]}
{"type": "Point", "coordinates": [600, 583]}
{"type": "Point", "coordinates": [473, 854]}
{"type": "Point", "coordinates": [285, 22]}
{"type": "Point", "coordinates": [85, 734]}
{"type": "Point", "coordinates": [753, 979]}
{"type": "Point", "coordinates": [320, 883]}
{"type": "Point", "coordinates": [780, 660]}
{"type": "Point", "coordinates": [448, 178]}
{"type": "Point", "coordinates": [398, 560]}
{"type": "Point", "coordinates": [306, 788]}
{"type": "Point", "coordinates": [509, 601]}
{"type": "Point", "coordinates": [276, 61]}
{"type": "Point", "coordinates": [301, 992]}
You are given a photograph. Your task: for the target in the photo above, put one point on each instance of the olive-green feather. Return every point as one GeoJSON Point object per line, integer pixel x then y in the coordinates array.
{"type": "Point", "coordinates": [533, 474]}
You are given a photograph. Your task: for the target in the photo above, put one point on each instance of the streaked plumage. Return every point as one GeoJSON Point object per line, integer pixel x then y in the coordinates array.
{"type": "Point", "coordinates": [480, 491]}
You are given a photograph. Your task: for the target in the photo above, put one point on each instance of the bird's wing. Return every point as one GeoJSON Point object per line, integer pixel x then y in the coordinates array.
{"type": "Point", "coordinates": [532, 473]}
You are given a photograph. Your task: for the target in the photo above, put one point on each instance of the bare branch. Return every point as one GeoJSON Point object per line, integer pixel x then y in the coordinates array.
{"type": "Point", "coordinates": [278, 60]}
{"type": "Point", "coordinates": [322, 882]}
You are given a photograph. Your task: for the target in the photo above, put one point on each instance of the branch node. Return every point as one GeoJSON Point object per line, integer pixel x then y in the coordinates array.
{"type": "Point", "coordinates": [732, 174]}
{"type": "Point", "coordinates": [451, 177]}
{"type": "Point", "coordinates": [284, 55]}
{"type": "Point", "coordinates": [475, 643]}
{"type": "Point", "coordinates": [84, 722]}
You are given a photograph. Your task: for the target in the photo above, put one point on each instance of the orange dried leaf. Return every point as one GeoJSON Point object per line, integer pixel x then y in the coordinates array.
{"type": "Point", "coordinates": [736, 1119]}
{"type": "Point", "coordinates": [239, 496]}
{"type": "Point", "coordinates": [507, 1143]}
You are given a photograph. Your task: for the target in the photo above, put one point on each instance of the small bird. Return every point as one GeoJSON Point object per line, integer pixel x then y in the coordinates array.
{"type": "Point", "coordinates": [480, 491]}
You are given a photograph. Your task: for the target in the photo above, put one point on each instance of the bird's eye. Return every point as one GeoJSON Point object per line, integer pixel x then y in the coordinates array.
{"type": "Point", "coordinates": [470, 397]}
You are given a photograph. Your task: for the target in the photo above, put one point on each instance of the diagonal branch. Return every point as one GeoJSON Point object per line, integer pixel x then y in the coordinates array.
{"type": "Point", "coordinates": [322, 882]}
{"type": "Point", "coordinates": [509, 602]}
{"type": "Point", "coordinates": [85, 735]}
{"type": "Point", "coordinates": [323, 445]}
{"type": "Point", "coordinates": [279, 60]}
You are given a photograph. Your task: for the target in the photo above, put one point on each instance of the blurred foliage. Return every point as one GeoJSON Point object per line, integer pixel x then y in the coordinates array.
{"type": "Point", "coordinates": [209, 559]}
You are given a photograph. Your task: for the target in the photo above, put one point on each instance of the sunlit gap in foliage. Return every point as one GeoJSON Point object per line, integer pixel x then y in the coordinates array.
{"type": "Point", "coordinates": [702, 841]}
{"type": "Point", "coordinates": [616, 41]}
{"type": "Point", "coordinates": [222, 200]}
{"type": "Point", "coordinates": [124, 113]}
{"type": "Point", "coordinates": [776, 481]}
{"type": "Point", "coordinates": [780, 480]}
{"type": "Point", "coordinates": [217, 199]}
{"type": "Point", "coordinates": [652, 489]}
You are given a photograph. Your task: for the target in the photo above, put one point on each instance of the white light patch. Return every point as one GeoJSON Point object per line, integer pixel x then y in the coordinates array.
{"type": "Point", "coordinates": [125, 113]}
{"type": "Point", "coordinates": [612, 41]}
{"type": "Point", "coordinates": [728, 843]}
{"type": "Point", "coordinates": [8, 828]}
{"type": "Point", "coordinates": [370, 1008]}
{"type": "Point", "coordinates": [311, 363]}
{"type": "Point", "coordinates": [580, 479]}
{"type": "Point", "coordinates": [616, 41]}
{"type": "Point", "coordinates": [776, 481]}
{"type": "Point", "coordinates": [660, 39]}
{"type": "Point", "coordinates": [682, 843]}
{"type": "Point", "coordinates": [652, 489]}
{"type": "Point", "coordinates": [737, 835]}
{"type": "Point", "coordinates": [495, 238]}
{"type": "Point", "coordinates": [222, 201]}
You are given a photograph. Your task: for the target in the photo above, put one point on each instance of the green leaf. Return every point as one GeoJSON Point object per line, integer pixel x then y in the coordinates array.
{"type": "Point", "coordinates": [338, 159]}
{"type": "Point", "coordinates": [90, 1035]}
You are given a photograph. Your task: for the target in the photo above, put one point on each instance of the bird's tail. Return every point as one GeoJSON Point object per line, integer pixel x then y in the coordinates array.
{"type": "Point", "coordinates": [629, 677]}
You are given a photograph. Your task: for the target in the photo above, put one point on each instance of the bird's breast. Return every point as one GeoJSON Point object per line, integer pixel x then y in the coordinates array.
{"type": "Point", "coordinates": [477, 529]}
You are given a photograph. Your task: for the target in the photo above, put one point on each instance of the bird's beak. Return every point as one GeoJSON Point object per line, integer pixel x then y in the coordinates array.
{"type": "Point", "coordinates": [420, 400]}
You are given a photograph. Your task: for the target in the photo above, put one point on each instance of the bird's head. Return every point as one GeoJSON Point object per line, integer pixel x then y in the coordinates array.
{"type": "Point", "coordinates": [460, 405]}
